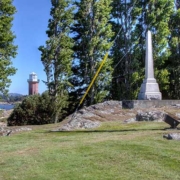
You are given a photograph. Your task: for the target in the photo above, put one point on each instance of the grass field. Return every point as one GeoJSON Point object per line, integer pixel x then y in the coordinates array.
{"type": "Point", "coordinates": [114, 151]}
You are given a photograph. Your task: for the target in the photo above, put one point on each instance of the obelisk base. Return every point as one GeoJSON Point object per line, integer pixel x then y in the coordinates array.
{"type": "Point", "coordinates": [149, 90]}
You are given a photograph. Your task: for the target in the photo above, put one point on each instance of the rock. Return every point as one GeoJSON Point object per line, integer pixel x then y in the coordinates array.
{"type": "Point", "coordinates": [172, 136]}
{"type": "Point", "coordinates": [131, 120]}
{"type": "Point", "coordinates": [5, 132]}
{"type": "Point", "coordinates": [150, 116]}
{"type": "Point", "coordinates": [131, 114]}
{"type": "Point", "coordinates": [176, 105]}
{"type": "Point", "coordinates": [3, 124]}
{"type": "Point", "coordinates": [22, 129]}
{"type": "Point", "coordinates": [178, 115]}
{"type": "Point", "coordinates": [77, 123]}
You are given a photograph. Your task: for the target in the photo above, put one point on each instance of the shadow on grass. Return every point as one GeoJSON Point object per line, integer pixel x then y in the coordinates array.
{"type": "Point", "coordinates": [103, 131]}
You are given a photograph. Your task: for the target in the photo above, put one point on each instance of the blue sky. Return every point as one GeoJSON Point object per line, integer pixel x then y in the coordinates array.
{"type": "Point", "coordinates": [29, 25]}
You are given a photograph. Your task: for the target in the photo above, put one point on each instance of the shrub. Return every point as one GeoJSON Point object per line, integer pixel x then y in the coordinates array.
{"type": "Point", "coordinates": [34, 110]}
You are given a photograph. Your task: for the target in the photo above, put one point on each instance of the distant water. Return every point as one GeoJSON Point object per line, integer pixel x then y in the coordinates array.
{"type": "Point", "coordinates": [6, 106]}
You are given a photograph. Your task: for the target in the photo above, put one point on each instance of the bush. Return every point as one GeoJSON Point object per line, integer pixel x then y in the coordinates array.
{"type": "Point", "coordinates": [34, 110]}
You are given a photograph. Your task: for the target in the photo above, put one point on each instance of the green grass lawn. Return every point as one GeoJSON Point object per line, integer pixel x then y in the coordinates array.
{"type": "Point", "coordinates": [113, 151]}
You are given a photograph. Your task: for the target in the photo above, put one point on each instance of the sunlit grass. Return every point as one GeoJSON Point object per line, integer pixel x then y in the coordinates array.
{"type": "Point", "coordinates": [113, 151]}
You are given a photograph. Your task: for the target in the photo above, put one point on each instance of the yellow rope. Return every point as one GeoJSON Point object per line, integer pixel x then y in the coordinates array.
{"type": "Point", "coordinates": [94, 78]}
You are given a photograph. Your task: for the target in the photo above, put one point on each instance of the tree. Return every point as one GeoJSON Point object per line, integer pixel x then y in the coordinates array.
{"type": "Point", "coordinates": [7, 49]}
{"type": "Point", "coordinates": [92, 37]}
{"type": "Point", "coordinates": [145, 15]}
{"type": "Point", "coordinates": [155, 16]}
{"type": "Point", "coordinates": [34, 110]}
{"type": "Point", "coordinates": [124, 56]}
{"type": "Point", "coordinates": [173, 64]}
{"type": "Point", "coordinates": [57, 54]}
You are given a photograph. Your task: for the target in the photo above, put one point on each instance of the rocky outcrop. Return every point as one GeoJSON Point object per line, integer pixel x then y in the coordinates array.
{"type": "Point", "coordinates": [79, 124]}
{"type": "Point", "coordinates": [92, 116]}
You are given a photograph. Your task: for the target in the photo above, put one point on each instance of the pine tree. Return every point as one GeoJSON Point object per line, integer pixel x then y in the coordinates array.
{"type": "Point", "coordinates": [155, 16]}
{"type": "Point", "coordinates": [7, 48]}
{"type": "Point", "coordinates": [124, 56]}
{"type": "Point", "coordinates": [57, 54]}
{"type": "Point", "coordinates": [92, 36]}
{"type": "Point", "coordinates": [173, 64]}
{"type": "Point", "coordinates": [146, 15]}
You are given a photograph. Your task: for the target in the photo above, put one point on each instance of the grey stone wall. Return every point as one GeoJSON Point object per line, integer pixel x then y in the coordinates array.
{"type": "Point", "coordinates": [135, 104]}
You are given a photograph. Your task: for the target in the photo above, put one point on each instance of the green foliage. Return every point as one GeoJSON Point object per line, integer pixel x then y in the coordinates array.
{"type": "Point", "coordinates": [7, 49]}
{"type": "Point", "coordinates": [163, 78]}
{"type": "Point", "coordinates": [93, 26]}
{"type": "Point", "coordinates": [92, 40]}
{"type": "Point", "coordinates": [57, 54]}
{"type": "Point", "coordinates": [135, 80]}
{"type": "Point", "coordinates": [173, 63]}
{"type": "Point", "coordinates": [134, 18]}
{"type": "Point", "coordinates": [155, 16]}
{"type": "Point", "coordinates": [127, 51]}
{"type": "Point", "coordinates": [34, 110]}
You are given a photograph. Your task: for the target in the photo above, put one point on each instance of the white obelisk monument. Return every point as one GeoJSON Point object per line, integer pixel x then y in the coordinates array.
{"type": "Point", "coordinates": [149, 88]}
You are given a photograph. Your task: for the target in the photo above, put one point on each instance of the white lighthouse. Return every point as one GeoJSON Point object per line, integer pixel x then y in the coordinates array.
{"type": "Point", "coordinates": [33, 83]}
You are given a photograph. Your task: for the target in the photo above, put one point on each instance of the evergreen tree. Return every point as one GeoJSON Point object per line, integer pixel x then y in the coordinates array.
{"type": "Point", "coordinates": [155, 16]}
{"type": "Point", "coordinates": [92, 36]}
{"type": "Point", "coordinates": [57, 54]}
{"type": "Point", "coordinates": [146, 15]}
{"type": "Point", "coordinates": [124, 55]}
{"type": "Point", "coordinates": [173, 64]}
{"type": "Point", "coordinates": [7, 49]}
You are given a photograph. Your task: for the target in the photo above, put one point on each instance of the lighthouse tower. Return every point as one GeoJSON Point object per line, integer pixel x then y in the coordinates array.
{"type": "Point", "coordinates": [33, 83]}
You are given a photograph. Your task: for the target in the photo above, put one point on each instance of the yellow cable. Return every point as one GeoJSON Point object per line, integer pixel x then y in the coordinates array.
{"type": "Point", "coordinates": [94, 78]}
